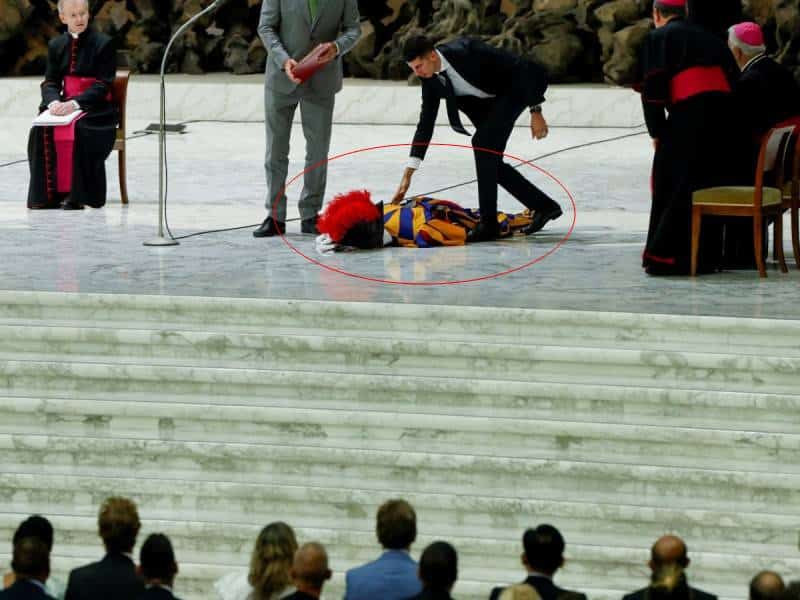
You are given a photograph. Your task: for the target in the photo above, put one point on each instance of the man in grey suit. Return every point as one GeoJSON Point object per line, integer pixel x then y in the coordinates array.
{"type": "Point", "coordinates": [290, 29]}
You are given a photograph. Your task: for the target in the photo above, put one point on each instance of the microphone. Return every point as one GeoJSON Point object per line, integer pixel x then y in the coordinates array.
{"type": "Point", "coordinates": [160, 239]}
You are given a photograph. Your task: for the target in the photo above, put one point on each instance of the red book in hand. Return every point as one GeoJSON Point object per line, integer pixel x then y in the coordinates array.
{"type": "Point", "coordinates": [310, 64]}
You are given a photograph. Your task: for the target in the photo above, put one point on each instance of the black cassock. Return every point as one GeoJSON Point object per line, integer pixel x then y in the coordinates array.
{"type": "Point", "coordinates": [686, 79]}
{"type": "Point", "coordinates": [766, 94]}
{"type": "Point", "coordinates": [92, 58]}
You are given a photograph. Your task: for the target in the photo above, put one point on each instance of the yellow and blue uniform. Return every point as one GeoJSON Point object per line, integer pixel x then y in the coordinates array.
{"type": "Point", "coordinates": [426, 223]}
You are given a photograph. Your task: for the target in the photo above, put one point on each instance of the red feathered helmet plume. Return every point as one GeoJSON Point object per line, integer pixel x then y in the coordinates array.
{"type": "Point", "coordinates": [351, 219]}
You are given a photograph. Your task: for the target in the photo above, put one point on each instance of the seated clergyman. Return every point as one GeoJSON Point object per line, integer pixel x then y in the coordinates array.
{"type": "Point", "coordinates": [67, 162]}
{"type": "Point", "coordinates": [352, 220]}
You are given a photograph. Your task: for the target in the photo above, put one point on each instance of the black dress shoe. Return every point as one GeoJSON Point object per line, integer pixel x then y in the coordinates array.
{"type": "Point", "coordinates": [269, 228]}
{"type": "Point", "coordinates": [309, 225]}
{"type": "Point", "coordinates": [541, 218]}
{"type": "Point", "coordinates": [44, 206]}
{"type": "Point", "coordinates": [70, 204]}
{"type": "Point", "coordinates": [483, 232]}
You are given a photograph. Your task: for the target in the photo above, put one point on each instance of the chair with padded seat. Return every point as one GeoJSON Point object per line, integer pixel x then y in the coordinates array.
{"type": "Point", "coordinates": [757, 202]}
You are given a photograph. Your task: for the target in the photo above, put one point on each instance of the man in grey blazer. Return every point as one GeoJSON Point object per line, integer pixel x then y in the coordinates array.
{"type": "Point", "coordinates": [290, 29]}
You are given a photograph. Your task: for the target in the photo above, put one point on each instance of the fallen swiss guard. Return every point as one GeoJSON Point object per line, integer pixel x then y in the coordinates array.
{"type": "Point", "coordinates": [352, 221]}
{"type": "Point", "coordinates": [67, 161]}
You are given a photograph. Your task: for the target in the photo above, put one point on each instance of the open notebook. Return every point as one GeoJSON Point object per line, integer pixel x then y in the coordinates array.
{"type": "Point", "coordinates": [52, 120]}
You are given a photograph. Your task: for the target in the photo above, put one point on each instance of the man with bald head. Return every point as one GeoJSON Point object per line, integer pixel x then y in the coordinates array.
{"type": "Point", "coordinates": [766, 585]}
{"type": "Point", "coordinates": [669, 553]}
{"type": "Point", "coordinates": [309, 571]}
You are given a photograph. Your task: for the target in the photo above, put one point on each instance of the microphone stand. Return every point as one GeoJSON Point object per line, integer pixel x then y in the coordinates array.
{"type": "Point", "coordinates": [161, 239]}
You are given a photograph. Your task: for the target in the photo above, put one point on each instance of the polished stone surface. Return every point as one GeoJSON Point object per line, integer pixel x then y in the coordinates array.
{"type": "Point", "coordinates": [216, 181]}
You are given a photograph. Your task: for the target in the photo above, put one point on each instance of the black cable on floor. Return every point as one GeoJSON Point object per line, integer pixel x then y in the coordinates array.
{"type": "Point", "coordinates": [451, 187]}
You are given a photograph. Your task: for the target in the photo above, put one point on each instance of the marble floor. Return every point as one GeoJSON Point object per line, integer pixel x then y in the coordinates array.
{"type": "Point", "coordinates": [587, 260]}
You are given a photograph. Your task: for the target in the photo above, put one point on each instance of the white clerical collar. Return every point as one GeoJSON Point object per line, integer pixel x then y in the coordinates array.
{"type": "Point", "coordinates": [75, 36]}
{"type": "Point", "coordinates": [753, 60]}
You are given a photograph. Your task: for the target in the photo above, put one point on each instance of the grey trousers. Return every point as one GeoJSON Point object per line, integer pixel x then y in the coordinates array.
{"type": "Point", "coordinates": [316, 114]}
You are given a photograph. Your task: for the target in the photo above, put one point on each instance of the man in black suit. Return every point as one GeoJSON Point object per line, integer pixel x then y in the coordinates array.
{"type": "Point", "coordinates": [543, 556]}
{"type": "Point", "coordinates": [668, 560]}
{"type": "Point", "coordinates": [115, 575]}
{"type": "Point", "coordinates": [492, 87]}
{"type": "Point", "coordinates": [31, 566]}
{"type": "Point", "coordinates": [309, 571]}
{"type": "Point", "coordinates": [158, 567]}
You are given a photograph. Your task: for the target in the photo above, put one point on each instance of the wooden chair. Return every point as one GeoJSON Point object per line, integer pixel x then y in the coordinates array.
{"type": "Point", "coordinates": [756, 202]}
{"type": "Point", "coordinates": [791, 193]}
{"type": "Point", "coordinates": [119, 94]}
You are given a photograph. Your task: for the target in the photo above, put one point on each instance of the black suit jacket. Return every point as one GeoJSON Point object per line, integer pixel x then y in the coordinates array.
{"type": "Point", "coordinates": [489, 69]}
{"type": "Point", "coordinates": [429, 594]}
{"type": "Point", "coordinates": [767, 93]}
{"type": "Point", "coordinates": [113, 577]}
{"type": "Point", "coordinates": [694, 594]}
{"type": "Point", "coordinates": [546, 589]}
{"type": "Point", "coordinates": [157, 593]}
{"type": "Point", "coordinates": [299, 596]}
{"type": "Point", "coordinates": [24, 590]}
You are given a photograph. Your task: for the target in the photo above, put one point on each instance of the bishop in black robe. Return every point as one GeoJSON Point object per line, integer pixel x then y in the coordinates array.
{"type": "Point", "coordinates": [686, 81]}
{"type": "Point", "coordinates": [80, 68]}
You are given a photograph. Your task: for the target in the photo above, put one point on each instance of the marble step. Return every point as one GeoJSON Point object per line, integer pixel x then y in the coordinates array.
{"type": "Point", "coordinates": [249, 390]}
{"type": "Point", "coordinates": [399, 432]}
{"type": "Point", "coordinates": [722, 335]}
{"type": "Point", "coordinates": [611, 366]}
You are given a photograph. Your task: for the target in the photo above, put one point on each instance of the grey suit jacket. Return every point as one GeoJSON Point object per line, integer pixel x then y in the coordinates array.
{"type": "Point", "coordinates": [287, 32]}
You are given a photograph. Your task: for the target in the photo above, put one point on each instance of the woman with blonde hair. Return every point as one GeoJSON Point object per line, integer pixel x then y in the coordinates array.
{"type": "Point", "coordinates": [268, 576]}
{"type": "Point", "coordinates": [520, 591]}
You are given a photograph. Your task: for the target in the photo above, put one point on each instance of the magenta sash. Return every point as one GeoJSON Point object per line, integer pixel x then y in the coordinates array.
{"type": "Point", "coordinates": [64, 135]}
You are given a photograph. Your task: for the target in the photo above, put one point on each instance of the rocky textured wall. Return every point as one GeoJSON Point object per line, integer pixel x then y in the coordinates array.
{"type": "Point", "coordinates": [576, 40]}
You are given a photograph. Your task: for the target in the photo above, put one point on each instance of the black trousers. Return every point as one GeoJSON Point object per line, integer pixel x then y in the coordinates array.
{"type": "Point", "coordinates": [494, 120]}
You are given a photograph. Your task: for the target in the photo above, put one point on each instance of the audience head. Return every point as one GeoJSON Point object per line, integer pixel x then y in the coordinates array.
{"type": "Point", "coordinates": [746, 41]}
{"type": "Point", "coordinates": [420, 55]}
{"type": "Point", "coordinates": [544, 549]}
{"type": "Point", "coordinates": [396, 525]}
{"type": "Point", "coordinates": [766, 585]}
{"type": "Point", "coordinates": [666, 10]}
{"type": "Point", "coordinates": [520, 591]}
{"type": "Point", "coordinates": [310, 570]}
{"type": "Point", "coordinates": [74, 14]}
{"type": "Point", "coordinates": [35, 526]}
{"type": "Point", "coordinates": [157, 560]}
{"type": "Point", "coordinates": [438, 567]}
{"type": "Point", "coordinates": [669, 550]}
{"type": "Point", "coordinates": [31, 559]}
{"type": "Point", "coordinates": [272, 559]}
{"type": "Point", "coordinates": [118, 523]}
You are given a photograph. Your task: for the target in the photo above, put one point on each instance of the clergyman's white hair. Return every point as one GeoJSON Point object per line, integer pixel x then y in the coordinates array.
{"type": "Point", "coordinates": [747, 49]}
{"type": "Point", "coordinates": [61, 4]}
